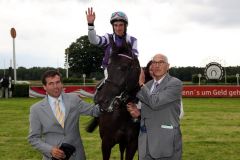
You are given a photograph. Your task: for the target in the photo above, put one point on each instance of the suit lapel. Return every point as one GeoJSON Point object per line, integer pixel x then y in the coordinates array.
{"type": "Point", "coordinates": [67, 104]}
{"type": "Point", "coordinates": [149, 85]}
{"type": "Point", "coordinates": [47, 109]}
{"type": "Point", "coordinates": [164, 82]}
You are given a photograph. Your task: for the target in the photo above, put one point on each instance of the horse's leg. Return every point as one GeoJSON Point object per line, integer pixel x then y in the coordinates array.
{"type": "Point", "coordinates": [106, 149]}
{"type": "Point", "coordinates": [131, 149]}
{"type": "Point", "coordinates": [122, 148]}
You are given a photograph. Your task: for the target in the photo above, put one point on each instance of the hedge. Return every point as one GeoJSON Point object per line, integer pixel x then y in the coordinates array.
{"type": "Point", "coordinates": [21, 90]}
{"type": "Point", "coordinates": [231, 79]}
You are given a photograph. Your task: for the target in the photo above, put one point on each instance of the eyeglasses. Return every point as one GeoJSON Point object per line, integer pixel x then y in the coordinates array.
{"type": "Point", "coordinates": [158, 62]}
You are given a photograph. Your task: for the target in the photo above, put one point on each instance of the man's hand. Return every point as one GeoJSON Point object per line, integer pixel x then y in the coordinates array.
{"type": "Point", "coordinates": [90, 15]}
{"type": "Point", "coordinates": [57, 153]}
{"type": "Point", "coordinates": [133, 110]}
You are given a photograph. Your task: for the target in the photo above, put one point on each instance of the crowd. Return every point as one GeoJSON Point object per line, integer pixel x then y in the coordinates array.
{"type": "Point", "coordinates": [6, 87]}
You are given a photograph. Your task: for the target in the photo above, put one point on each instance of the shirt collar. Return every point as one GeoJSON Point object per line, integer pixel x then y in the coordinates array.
{"type": "Point", "coordinates": [160, 80]}
{"type": "Point", "coordinates": [53, 99]}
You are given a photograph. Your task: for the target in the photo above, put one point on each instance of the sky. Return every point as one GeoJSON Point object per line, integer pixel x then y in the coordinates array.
{"type": "Point", "coordinates": [188, 32]}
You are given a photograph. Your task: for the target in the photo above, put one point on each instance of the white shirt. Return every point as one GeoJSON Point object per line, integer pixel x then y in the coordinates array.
{"type": "Point", "coordinates": [159, 81]}
{"type": "Point", "coordinates": [52, 102]}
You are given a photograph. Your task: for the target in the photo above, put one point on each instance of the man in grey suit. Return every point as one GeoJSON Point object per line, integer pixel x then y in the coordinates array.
{"type": "Point", "coordinates": [160, 136]}
{"type": "Point", "coordinates": [47, 132]}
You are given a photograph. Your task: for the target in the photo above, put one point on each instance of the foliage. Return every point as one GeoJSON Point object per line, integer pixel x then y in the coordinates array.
{"type": "Point", "coordinates": [183, 73]}
{"type": "Point", "coordinates": [76, 80]}
{"type": "Point", "coordinates": [20, 90]}
{"type": "Point", "coordinates": [97, 75]}
{"type": "Point", "coordinates": [33, 73]}
{"type": "Point", "coordinates": [191, 74]}
{"type": "Point", "coordinates": [230, 80]}
{"type": "Point", "coordinates": [84, 57]}
{"type": "Point", "coordinates": [210, 130]}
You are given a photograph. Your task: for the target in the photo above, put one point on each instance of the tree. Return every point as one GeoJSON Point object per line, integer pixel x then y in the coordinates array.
{"type": "Point", "coordinates": [84, 57]}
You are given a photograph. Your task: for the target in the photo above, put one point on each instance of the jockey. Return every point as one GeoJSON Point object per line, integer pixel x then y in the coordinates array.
{"type": "Point", "coordinates": [119, 22]}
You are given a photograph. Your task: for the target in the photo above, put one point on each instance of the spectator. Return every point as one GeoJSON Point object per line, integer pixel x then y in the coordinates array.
{"type": "Point", "coordinates": [148, 72]}
{"type": "Point", "coordinates": [1, 91]}
{"type": "Point", "coordinates": [160, 135]}
{"type": "Point", "coordinates": [10, 87]}
{"type": "Point", "coordinates": [5, 84]}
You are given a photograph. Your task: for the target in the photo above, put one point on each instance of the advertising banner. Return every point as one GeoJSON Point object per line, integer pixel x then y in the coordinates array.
{"type": "Point", "coordinates": [188, 91]}
{"type": "Point", "coordinates": [211, 91]}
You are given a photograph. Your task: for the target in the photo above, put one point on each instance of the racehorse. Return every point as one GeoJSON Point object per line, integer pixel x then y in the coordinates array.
{"type": "Point", "coordinates": [116, 126]}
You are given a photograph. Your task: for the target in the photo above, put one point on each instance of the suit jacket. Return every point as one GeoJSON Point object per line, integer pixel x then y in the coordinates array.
{"type": "Point", "coordinates": [160, 114]}
{"type": "Point", "coordinates": [45, 131]}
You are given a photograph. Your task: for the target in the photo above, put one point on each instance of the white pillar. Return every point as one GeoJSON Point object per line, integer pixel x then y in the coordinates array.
{"type": "Point", "coordinates": [14, 34]}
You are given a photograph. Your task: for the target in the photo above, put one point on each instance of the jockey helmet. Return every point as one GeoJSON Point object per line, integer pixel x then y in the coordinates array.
{"type": "Point", "coordinates": [118, 16]}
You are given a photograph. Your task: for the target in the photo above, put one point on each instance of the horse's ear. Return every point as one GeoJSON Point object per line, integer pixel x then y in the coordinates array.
{"type": "Point", "coordinates": [135, 58]}
{"type": "Point", "coordinates": [137, 64]}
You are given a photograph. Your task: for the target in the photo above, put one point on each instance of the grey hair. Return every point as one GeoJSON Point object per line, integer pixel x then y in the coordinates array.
{"type": "Point", "coordinates": [162, 55]}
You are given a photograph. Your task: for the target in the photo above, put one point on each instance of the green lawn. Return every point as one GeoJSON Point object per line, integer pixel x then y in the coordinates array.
{"type": "Point", "coordinates": [211, 130]}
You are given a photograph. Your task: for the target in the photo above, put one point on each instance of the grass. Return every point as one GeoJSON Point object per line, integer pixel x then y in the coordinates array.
{"type": "Point", "coordinates": [211, 130]}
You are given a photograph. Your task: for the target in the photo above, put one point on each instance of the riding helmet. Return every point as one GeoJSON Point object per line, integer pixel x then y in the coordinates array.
{"type": "Point", "coordinates": [118, 16]}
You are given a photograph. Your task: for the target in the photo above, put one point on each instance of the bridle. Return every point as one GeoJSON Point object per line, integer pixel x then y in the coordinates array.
{"type": "Point", "coordinates": [123, 96]}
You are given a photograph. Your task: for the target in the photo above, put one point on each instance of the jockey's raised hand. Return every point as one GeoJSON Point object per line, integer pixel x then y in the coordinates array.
{"type": "Point", "coordinates": [90, 16]}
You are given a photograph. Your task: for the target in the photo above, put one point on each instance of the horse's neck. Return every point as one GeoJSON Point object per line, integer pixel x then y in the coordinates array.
{"type": "Point", "coordinates": [125, 48]}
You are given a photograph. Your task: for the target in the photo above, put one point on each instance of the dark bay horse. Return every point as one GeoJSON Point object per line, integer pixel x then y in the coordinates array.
{"type": "Point", "coordinates": [116, 126]}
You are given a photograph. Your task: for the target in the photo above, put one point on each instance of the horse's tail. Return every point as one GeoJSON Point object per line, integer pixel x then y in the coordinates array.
{"type": "Point", "coordinates": [92, 124]}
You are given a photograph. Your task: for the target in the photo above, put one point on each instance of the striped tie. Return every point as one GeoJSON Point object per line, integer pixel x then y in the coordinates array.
{"type": "Point", "coordinates": [59, 114]}
{"type": "Point", "coordinates": [156, 84]}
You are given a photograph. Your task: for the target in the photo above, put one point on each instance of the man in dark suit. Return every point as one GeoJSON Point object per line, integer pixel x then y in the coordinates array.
{"type": "Point", "coordinates": [4, 83]}
{"type": "Point", "coordinates": [54, 124]}
{"type": "Point", "coordinates": [160, 136]}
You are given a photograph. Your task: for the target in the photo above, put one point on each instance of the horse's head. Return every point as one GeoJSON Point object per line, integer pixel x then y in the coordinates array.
{"type": "Point", "coordinates": [123, 76]}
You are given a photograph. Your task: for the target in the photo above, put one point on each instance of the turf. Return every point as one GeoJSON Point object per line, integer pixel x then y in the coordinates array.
{"type": "Point", "coordinates": [210, 128]}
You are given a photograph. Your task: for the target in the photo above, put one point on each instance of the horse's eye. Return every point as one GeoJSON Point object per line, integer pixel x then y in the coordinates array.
{"type": "Point", "coordinates": [119, 67]}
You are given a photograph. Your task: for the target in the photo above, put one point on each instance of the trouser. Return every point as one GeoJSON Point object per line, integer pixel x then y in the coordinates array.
{"type": "Point", "coordinates": [1, 92]}
{"type": "Point", "coordinates": [177, 155]}
{"type": "Point", "coordinates": [6, 92]}
{"type": "Point", "coordinates": [10, 93]}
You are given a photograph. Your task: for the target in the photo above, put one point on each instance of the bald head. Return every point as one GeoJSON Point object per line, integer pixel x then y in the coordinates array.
{"type": "Point", "coordinates": [160, 66]}
{"type": "Point", "coordinates": [160, 56]}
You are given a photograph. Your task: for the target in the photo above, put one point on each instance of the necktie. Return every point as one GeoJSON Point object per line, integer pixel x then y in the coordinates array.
{"type": "Point", "coordinates": [156, 84]}
{"type": "Point", "coordinates": [59, 114]}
